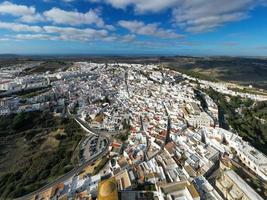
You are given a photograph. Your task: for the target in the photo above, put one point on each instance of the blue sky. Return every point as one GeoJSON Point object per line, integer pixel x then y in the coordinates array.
{"type": "Point", "coordinates": [166, 27]}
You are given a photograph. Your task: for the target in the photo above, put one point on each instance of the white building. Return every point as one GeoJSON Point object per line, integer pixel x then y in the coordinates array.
{"type": "Point", "coordinates": [250, 156]}
{"type": "Point", "coordinates": [203, 119]}
{"type": "Point", "coordinates": [234, 187]}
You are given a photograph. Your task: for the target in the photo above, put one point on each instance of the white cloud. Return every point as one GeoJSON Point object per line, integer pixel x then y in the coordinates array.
{"type": "Point", "coordinates": [138, 27]}
{"type": "Point", "coordinates": [128, 38]}
{"type": "Point", "coordinates": [152, 44]}
{"type": "Point", "coordinates": [4, 39]}
{"type": "Point", "coordinates": [190, 15]}
{"type": "Point", "coordinates": [70, 33]}
{"type": "Point", "coordinates": [120, 38]}
{"type": "Point", "coordinates": [55, 32]}
{"type": "Point", "coordinates": [35, 37]}
{"type": "Point", "coordinates": [32, 18]}
{"type": "Point", "coordinates": [74, 18]}
{"type": "Point", "coordinates": [193, 15]}
{"type": "Point", "coordinates": [68, 1]}
{"type": "Point", "coordinates": [19, 27]}
{"type": "Point", "coordinates": [141, 6]}
{"type": "Point", "coordinates": [26, 13]}
{"type": "Point", "coordinates": [205, 15]}
{"type": "Point", "coordinates": [59, 16]}
{"type": "Point", "coordinates": [16, 10]}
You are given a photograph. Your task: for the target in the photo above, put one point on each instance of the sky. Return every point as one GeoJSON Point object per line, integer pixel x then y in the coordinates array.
{"type": "Point", "coordinates": [134, 27]}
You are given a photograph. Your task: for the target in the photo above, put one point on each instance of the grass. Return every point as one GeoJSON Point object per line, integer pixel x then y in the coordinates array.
{"type": "Point", "coordinates": [50, 144]}
{"type": "Point", "coordinates": [249, 90]}
{"type": "Point", "coordinates": [100, 165]}
{"type": "Point", "coordinates": [195, 73]}
{"type": "Point", "coordinates": [90, 169]}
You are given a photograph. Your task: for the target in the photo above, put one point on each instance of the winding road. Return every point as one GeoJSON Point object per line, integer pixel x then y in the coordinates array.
{"type": "Point", "coordinates": [76, 170]}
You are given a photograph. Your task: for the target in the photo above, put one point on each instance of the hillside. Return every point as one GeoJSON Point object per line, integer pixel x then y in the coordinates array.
{"type": "Point", "coordinates": [245, 71]}
{"type": "Point", "coordinates": [35, 148]}
{"type": "Point", "coordinates": [243, 116]}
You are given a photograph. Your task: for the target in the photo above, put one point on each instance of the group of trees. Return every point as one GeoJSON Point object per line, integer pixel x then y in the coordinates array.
{"type": "Point", "coordinates": [26, 121]}
{"type": "Point", "coordinates": [250, 122]}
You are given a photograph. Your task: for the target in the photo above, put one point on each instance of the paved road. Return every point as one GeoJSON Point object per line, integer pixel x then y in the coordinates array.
{"type": "Point", "coordinates": [68, 175]}
{"type": "Point", "coordinates": [97, 131]}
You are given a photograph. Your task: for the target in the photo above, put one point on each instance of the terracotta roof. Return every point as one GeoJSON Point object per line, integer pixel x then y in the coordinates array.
{"type": "Point", "coordinates": [170, 147]}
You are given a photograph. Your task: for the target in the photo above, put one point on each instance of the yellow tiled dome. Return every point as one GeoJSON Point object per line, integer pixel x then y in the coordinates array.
{"type": "Point", "coordinates": [107, 189]}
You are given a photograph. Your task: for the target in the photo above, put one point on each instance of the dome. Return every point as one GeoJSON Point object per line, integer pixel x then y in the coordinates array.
{"type": "Point", "coordinates": [107, 188]}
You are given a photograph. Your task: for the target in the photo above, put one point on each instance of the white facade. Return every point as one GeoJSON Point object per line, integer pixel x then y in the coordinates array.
{"type": "Point", "coordinates": [203, 119]}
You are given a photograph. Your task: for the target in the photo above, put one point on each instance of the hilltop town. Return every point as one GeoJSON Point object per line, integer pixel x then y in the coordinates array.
{"type": "Point", "coordinates": [150, 132]}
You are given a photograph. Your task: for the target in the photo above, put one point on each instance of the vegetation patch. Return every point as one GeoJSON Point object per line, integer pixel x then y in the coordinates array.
{"type": "Point", "coordinates": [36, 148]}
{"type": "Point", "coordinates": [100, 165]}
{"type": "Point", "coordinates": [245, 71]}
{"type": "Point", "coordinates": [50, 65]}
{"type": "Point", "coordinates": [244, 116]}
